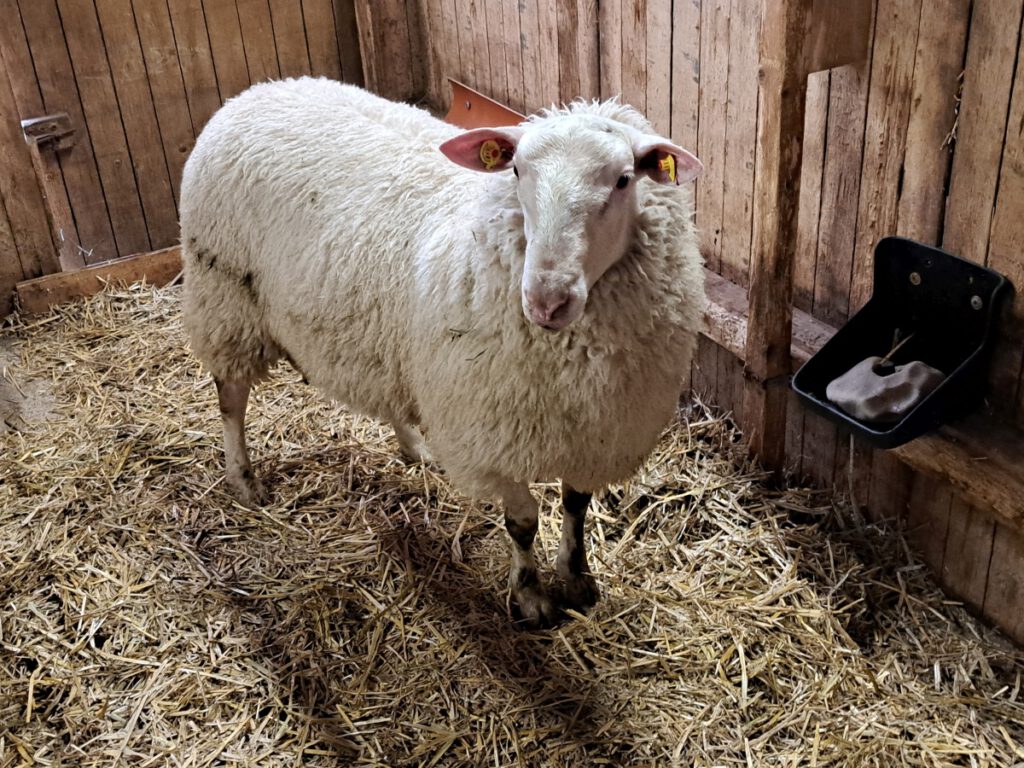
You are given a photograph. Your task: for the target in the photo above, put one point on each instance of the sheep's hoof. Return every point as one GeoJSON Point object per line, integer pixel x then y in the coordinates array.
{"type": "Point", "coordinates": [579, 591]}
{"type": "Point", "coordinates": [533, 608]}
{"type": "Point", "coordinates": [249, 490]}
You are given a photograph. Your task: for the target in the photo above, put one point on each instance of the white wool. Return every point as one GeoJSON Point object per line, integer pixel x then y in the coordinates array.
{"type": "Point", "coordinates": [321, 223]}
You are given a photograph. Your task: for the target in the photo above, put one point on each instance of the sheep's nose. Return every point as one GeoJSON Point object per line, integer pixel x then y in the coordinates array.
{"type": "Point", "coordinates": [546, 309]}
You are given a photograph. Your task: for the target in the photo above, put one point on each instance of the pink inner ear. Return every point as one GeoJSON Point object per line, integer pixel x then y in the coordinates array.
{"type": "Point", "coordinates": [688, 167]}
{"type": "Point", "coordinates": [482, 149]}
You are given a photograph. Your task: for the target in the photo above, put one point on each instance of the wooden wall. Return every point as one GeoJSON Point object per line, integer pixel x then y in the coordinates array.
{"type": "Point", "coordinates": [924, 139]}
{"type": "Point", "coordinates": [139, 79]}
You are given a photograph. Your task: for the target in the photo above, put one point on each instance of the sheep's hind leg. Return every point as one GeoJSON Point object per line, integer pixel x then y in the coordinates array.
{"type": "Point", "coordinates": [411, 443]}
{"type": "Point", "coordinates": [535, 607]}
{"type": "Point", "coordinates": [234, 397]}
{"type": "Point", "coordinates": [578, 585]}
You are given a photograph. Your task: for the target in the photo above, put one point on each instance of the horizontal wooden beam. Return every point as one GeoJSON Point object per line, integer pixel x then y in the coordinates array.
{"type": "Point", "coordinates": [981, 457]}
{"type": "Point", "coordinates": [39, 294]}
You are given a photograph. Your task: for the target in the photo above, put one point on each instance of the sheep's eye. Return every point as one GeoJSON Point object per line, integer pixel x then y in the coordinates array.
{"type": "Point", "coordinates": [622, 183]}
{"type": "Point", "coordinates": [515, 171]}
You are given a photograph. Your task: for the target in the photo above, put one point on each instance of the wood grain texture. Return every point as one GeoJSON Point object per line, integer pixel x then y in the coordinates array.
{"type": "Point", "coordinates": [39, 295]}
{"type": "Point", "coordinates": [928, 518]}
{"type": "Point", "coordinates": [226, 47]}
{"type": "Point", "coordinates": [889, 106]}
{"type": "Point", "coordinates": [811, 172]}
{"type": "Point", "coordinates": [1004, 592]}
{"type": "Point", "coordinates": [102, 115]}
{"type": "Point", "coordinates": [714, 72]}
{"type": "Point", "coordinates": [148, 163]}
{"type": "Point", "coordinates": [740, 140]}
{"type": "Point", "coordinates": [348, 41]}
{"type": "Point", "coordinates": [991, 53]}
{"type": "Point", "coordinates": [514, 65]}
{"type": "Point", "coordinates": [610, 37]}
{"type": "Point", "coordinates": [495, 38]}
{"type": "Point", "coordinates": [634, 53]}
{"type": "Point", "coordinates": [685, 72]}
{"type": "Point", "coordinates": [658, 45]}
{"type": "Point", "coordinates": [258, 40]}
{"type": "Point", "coordinates": [550, 66]}
{"type": "Point", "coordinates": [321, 39]}
{"type": "Point", "coordinates": [290, 38]}
{"type": "Point", "coordinates": [967, 554]}
{"type": "Point", "coordinates": [57, 84]}
{"type": "Point", "coordinates": [163, 71]}
{"type": "Point", "coordinates": [188, 23]}
{"type": "Point", "coordinates": [28, 249]}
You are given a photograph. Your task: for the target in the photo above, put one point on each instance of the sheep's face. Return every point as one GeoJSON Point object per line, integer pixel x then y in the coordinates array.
{"type": "Point", "coordinates": [577, 176]}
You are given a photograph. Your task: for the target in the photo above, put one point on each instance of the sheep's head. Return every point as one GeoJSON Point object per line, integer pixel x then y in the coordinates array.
{"type": "Point", "coordinates": [577, 177]}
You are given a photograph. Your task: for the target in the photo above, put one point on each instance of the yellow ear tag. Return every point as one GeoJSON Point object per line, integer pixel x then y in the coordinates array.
{"type": "Point", "coordinates": [668, 165]}
{"type": "Point", "coordinates": [490, 154]}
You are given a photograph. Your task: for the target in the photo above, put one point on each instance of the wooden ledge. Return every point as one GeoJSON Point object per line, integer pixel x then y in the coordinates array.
{"type": "Point", "coordinates": [39, 294]}
{"type": "Point", "coordinates": [980, 456]}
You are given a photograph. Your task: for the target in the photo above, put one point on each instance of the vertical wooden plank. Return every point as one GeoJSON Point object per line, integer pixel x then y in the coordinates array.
{"type": "Point", "coordinates": [322, 39]}
{"type": "Point", "coordinates": [529, 29]}
{"type": "Point", "coordinates": [714, 70]}
{"type": "Point", "coordinates": [348, 41]}
{"type": "Point", "coordinates": [795, 437]}
{"type": "Point", "coordinates": [225, 35]}
{"type": "Point", "coordinates": [685, 72]}
{"type": "Point", "coordinates": [1004, 594]}
{"type": "Point", "coordinates": [811, 171]}
{"type": "Point", "coordinates": [49, 52]}
{"type": "Point", "coordinates": [967, 553]}
{"type": "Point", "coordinates": [163, 71]}
{"type": "Point", "coordinates": [988, 77]}
{"type": "Point", "coordinates": [928, 518]}
{"type": "Point", "coordinates": [818, 460]}
{"type": "Point", "coordinates": [436, 63]}
{"type": "Point", "coordinates": [609, 14]}
{"type": "Point", "coordinates": [102, 114]}
{"type": "Point", "coordinates": [840, 188]}
{"type": "Point", "coordinates": [290, 38]}
{"type": "Point", "coordinates": [568, 50]}
{"type": "Point", "coordinates": [258, 40]}
{"type": "Point", "coordinates": [495, 39]}
{"type": "Point", "coordinates": [659, 65]}
{"type": "Point", "coordinates": [477, 43]}
{"type": "Point", "coordinates": [387, 51]}
{"type": "Point", "coordinates": [776, 204]}
{"type": "Point", "coordinates": [467, 54]}
{"type": "Point", "coordinates": [740, 140]}
{"type": "Point", "coordinates": [188, 23]}
{"type": "Point", "coordinates": [589, 52]}
{"type": "Point", "coordinates": [938, 63]}
{"type": "Point", "coordinates": [634, 54]}
{"type": "Point", "coordinates": [1006, 254]}
{"type": "Point", "coordinates": [138, 116]}
{"type": "Point", "coordinates": [18, 59]}
{"type": "Point", "coordinates": [513, 55]}
{"type": "Point", "coordinates": [550, 66]}
{"type": "Point", "coordinates": [705, 370]}
{"type": "Point", "coordinates": [368, 48]}
{"type": "Point", "coordinates": [28, 250]}
{"type": "Point", "coordinates": [897, 25]}
{"type": "Point", "coordinates": [889, 494]}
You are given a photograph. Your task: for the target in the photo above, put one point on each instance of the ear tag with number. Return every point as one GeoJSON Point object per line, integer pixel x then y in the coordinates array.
{"type": "Point", "coordinates": [491, 154]}
{"type": "Point", "coordinates": [667, 164]}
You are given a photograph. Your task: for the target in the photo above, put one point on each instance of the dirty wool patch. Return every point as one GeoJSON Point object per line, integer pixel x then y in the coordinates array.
{"type": "Point", "coordinates": [360, 618]}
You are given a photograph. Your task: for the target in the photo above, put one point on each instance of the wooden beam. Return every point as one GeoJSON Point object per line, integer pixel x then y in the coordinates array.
{"type": "Point", "coordinates": [38, 295]}
{"type": "Point", "coordinates": [776, 202]}
{"type": "Point", "coordinates": [837, 33]}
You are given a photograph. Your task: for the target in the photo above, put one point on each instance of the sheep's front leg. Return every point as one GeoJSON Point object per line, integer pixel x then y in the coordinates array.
{"type": "Point", "coordinates": [580, 588]}
{"type": "Point", "coordinates": [233, 397]}
{"type": "Point", "coordinates": [535, 606]}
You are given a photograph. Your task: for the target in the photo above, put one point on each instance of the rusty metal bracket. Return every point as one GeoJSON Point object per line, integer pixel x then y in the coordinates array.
{"type": "Point", "coordinates": [53, 131]}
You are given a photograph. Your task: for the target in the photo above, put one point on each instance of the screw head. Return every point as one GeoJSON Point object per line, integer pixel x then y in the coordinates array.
{"type": "Point", "coordinates": [915, 278]}
{"type": "Point", "coordinates": [976, 302]}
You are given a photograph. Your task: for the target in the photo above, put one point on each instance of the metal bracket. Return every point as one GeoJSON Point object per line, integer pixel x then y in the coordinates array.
{"type": "Point", "coordinates": [53, 131]}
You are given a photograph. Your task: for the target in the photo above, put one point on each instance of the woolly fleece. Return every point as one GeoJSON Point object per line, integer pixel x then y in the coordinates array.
{"type": "Point", "coordinates": [320, 223]}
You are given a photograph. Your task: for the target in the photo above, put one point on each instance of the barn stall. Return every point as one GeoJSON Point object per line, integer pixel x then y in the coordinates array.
{"type": "Point", "coordinates": [357, 619]}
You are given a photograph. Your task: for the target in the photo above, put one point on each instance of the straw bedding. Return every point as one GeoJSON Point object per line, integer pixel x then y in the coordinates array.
{"type": "Point", "coordinates": [360, 619]}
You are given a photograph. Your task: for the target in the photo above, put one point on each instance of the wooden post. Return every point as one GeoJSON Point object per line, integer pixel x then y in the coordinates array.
{"type": "Point", "coordinates": [797, 37]}
{"type": "Point", "coordinates": [45, 136]}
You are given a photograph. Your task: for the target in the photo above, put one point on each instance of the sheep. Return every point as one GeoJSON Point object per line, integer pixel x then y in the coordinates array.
{"type": "Point", "coordinates": [523, 326]}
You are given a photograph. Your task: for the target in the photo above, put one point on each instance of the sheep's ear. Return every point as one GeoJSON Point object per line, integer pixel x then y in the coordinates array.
{"type": "Point", "coordinates": [483, 149]}
{"type": "Point", "coordinates": [665, 162]}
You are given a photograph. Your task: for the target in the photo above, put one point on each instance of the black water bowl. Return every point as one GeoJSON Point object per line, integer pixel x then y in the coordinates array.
{"type": "Point", "coordinates": [949, 305]}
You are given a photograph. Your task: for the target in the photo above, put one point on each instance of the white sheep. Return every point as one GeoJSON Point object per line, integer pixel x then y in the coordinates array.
{"type": "Point", "coordinates": [530, 326]}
